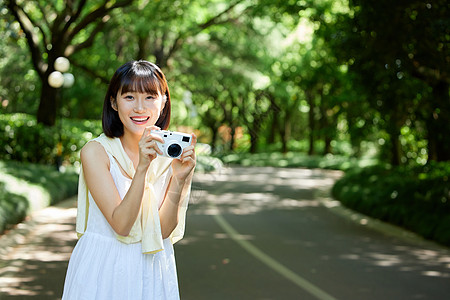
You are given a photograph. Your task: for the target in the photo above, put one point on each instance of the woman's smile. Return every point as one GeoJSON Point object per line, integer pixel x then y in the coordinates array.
{"type": "Point", "coordinates": [139, 120]}
{"type": "Point", "coordinates": [138, 110]}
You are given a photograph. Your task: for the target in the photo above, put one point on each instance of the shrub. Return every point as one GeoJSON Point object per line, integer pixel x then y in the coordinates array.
{"type": "Point", "coordinates": [25, 140]}
{"type": "Point", "coordinates": [25, 187]}
{"type": "Point", "coordinates": [13, 208]}
{"type": "Point", "coordinates": [416, 198]}
{"type": "Point", "coordinates": [294, 159]}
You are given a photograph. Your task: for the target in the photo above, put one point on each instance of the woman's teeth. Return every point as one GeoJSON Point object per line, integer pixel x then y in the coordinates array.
{"type": "Point", "coordinates": [140, 119]}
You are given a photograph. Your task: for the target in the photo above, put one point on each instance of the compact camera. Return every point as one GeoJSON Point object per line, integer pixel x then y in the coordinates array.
{"type": "Point", "coordinates": [174, 142]}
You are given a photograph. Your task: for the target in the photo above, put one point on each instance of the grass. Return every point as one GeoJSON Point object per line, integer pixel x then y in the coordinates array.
{"type": "Point", "coordinates": [26, 187]}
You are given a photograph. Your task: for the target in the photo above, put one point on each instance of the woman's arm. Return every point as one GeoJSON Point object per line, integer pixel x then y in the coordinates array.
{"type": "Point", "coordinates": [182, 173]}
{"type": "Point", "coordinates": [169, 211]}
{"type": "Point", "coordinates": [120, 214]}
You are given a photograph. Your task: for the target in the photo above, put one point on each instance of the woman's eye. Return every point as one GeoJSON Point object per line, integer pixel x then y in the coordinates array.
{"type": "Point", "coordinates": [129, 97]}
{"type": "Point", "coordinates": [151, 97]}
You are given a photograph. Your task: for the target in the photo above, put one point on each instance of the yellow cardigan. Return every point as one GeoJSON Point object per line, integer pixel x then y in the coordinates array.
{"type": "Point", "coordinates": [147, 228]}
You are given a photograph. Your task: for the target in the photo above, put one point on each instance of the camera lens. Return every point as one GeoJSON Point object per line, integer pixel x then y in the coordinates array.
{"type": "Point", "coordinates": [174, 150]}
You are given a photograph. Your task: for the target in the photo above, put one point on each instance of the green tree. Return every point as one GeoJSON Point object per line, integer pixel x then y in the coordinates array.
{"type": "Point", "coordinates": [399, 52]}
{"type": "Point", "coordinates": [58, 28]}
{"type": "Point", "coordinates": [19, 82]}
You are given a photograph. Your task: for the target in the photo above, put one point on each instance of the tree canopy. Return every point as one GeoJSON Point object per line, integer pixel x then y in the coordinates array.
{"type": "Point", "coordinates": [315, 76]}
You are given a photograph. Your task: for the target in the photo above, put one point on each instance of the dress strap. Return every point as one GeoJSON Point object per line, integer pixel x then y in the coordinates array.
{"type": "Point", "coordinates": [115, 166]}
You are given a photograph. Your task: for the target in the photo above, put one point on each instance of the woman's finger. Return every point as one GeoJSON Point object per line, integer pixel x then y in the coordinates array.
{"type": "Point", "coordinates": [153, 145]}
{"type": "Point", "coordinates": [152, 137]}
{"type": "Point", "coordinates": [156, 137]}
{"type": "Point", "coordinates": [187, 153]}
{"type": "Point", "coordinates": [191, 147]}
{"type": "Point", "coordinates": [148, 130]}
{"type": "Point", "coordinates": [151, 152]}
{"type": "Point", "coordinates": [153, 127]}
{"type": "Point", "coordinates": [188, 159]}
{"type": "Point", "coordinates": [194, 139]}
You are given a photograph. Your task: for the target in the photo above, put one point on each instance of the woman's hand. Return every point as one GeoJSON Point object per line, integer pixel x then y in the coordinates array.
{"type": "Point", "coordinates": [184, 165]}
{"type": "Point", "coordinates": [148, 149]}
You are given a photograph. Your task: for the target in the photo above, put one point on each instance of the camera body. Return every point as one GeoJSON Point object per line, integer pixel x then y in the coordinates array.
{"type": "Point", "coordinates": [174, 142]}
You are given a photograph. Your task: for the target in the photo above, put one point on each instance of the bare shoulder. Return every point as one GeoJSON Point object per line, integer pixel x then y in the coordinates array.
{"type": "Point", "coordinates": [94, 153]}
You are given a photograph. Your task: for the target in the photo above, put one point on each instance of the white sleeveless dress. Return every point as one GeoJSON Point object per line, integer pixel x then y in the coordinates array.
{"type": "Point", "coordinates": [103, 268]}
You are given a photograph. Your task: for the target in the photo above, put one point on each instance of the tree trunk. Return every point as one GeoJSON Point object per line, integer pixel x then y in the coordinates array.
{"type": "Point", "coordinates": [395, 150]}
{"type": "Point", "coordinates": [142, 47]}
{"type": "Point", "coordinates": [327, 148]}
{"type": "Point", "coordinates": [327, 129]}
{"type": "Point", "coordinates": [275, 121]}
{"type": "Point", "coordinates": [214, 135]}
{"type": "Point", "coordinates": [355, 139]}
{"type": "Point", "coordinates": [286, 133]}
{"type": "Point", "coordinates": [273, 127]}
{"type": "Point", "coordinates": [438, 124]}
{"type": "Point", "coordinates": [311, 121]}
{"type": "Point", "coordinates": [395, 146]}
{"type": "Point", "coordinates": [254, 134]}
{"type": "Point", "coordinates": [48, 105]}
{"type": "Point", "coordinates": [253, 142]}
{"type": "Point", "coordinates": [232, 138]}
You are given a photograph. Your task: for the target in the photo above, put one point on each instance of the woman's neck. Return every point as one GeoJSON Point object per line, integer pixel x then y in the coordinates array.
{"type": "Point", "coordinates": [131, 146]}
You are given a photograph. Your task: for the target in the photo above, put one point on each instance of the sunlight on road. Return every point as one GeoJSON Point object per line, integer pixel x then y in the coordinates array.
{"type": "Point", "coordinates": [370, 247]}
{"type": "Point", "coordinates": [295, 184]}
{"type": "Point", "coordinates": [42, 248]}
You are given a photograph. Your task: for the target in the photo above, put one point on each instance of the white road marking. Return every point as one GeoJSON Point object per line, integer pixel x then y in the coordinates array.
{"type": "Point", "coordinates": [270, 262]}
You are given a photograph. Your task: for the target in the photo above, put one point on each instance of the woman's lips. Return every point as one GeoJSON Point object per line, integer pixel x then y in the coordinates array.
{"type": "Point", "coordinates": [139, 120]}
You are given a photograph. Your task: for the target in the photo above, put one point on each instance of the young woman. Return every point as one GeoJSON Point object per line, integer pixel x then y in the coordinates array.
{"type": "Point", "coordinates": [131, 201]}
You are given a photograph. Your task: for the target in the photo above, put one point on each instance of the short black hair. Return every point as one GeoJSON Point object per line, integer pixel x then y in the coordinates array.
{"type": "Point", "coordinates": [135, 76]}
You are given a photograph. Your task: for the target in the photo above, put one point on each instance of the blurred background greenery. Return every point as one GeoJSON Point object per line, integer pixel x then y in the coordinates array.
{"type": "Point", "coordinates": [356, 85]}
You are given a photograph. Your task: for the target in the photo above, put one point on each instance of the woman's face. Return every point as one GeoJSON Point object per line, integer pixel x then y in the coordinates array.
{"type": "Point", "coordinates": [138, 110]}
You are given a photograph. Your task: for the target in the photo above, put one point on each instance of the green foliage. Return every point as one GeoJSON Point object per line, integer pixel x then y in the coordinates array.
{"type": "Point", "coordinates": [26, 187]}
{"type": "Point", "coordinates": [344, 71]}
{"type": "Point", "coordinates": [396, 49]}
{"type": "Point", "coordinates": [13, 208]}
{"type": "Point", "coordinates": [295, 159]}
{"type": "Point", "coordinates": [416, 198]}
{"type": "Point", "coordinates": [18, 89]}
{"type": "Point", "coordinates": [48, 30]}
{"type": "Point", "coordinates": [25, 140]}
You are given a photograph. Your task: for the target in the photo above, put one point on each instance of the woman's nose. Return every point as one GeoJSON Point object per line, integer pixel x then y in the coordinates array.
{"type": "Point", "coordinates": [139, 106]}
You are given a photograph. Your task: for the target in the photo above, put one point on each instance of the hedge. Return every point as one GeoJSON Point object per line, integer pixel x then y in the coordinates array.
{"type": "Point", "coordinates": [416, 198]}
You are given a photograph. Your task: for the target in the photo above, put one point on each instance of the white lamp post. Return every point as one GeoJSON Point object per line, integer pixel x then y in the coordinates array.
{"type": "Point", "coordinates": [57, 79]}
{"type": "Point", "coordinates": [62, 64]}
{"type": "Point", "coordinates": [69, 80]}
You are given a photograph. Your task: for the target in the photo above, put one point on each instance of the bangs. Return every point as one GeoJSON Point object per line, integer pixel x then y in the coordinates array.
{"type": "Point", "coordinates": [142, 81]}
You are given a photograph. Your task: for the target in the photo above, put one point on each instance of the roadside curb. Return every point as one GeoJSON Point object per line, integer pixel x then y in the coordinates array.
{"type": "Point", "coordinates": [385, 228]}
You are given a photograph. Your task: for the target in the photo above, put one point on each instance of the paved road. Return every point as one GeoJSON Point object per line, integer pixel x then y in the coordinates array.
{"type": "Point", "coordinates": [258, 233]}
{"type": "Point", "coordinates": [268, 233]}
{"type": "Point", "coordinates": [34, 256]}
